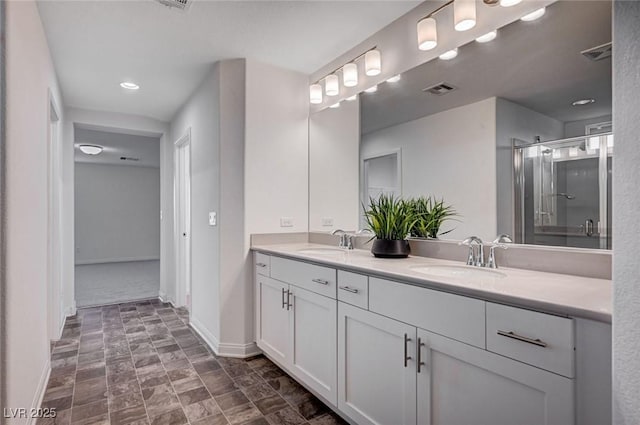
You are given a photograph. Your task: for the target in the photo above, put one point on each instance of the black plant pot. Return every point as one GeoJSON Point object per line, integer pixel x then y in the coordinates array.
{"type": "Point", "coordinates": [385, 248]}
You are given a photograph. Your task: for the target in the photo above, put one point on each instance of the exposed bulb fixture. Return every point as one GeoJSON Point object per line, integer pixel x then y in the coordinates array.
{"type": "Point", "coordinates": [335, 105]}
{"type": "Point", "coordinates": [350, 75]}
{"type": "Point", "coordinates": [352, 98]}
{"type": "Point", "coordinates": [582, 102]}
{"type": "Point", "coordinates": [451, 54]}
{"type": "Point", "coordinates": [427, 34]}
{"type": "Point", "coordinates": [332, 85]}
{"type": "Point", "coordinates": [464, 14]}
{"type": "Point", "coordinates": [372, 89]}
{"type": "Point", "coordinates": [91, 149]}
{"type": "Point", "coordinates": [315, 94]}
{"type": "Point", "coordinates": [490, 36]}
{"type": "Point", "coordinates": [536, 14]}
{"type": "Point", "coordinates": [509, 3]}
{"type": "Point", "coordinates": [394, 79]}
{"type": "Point", "coordinates": [129, 85]}
{"type": "Point", "coordinates": [372, 65]}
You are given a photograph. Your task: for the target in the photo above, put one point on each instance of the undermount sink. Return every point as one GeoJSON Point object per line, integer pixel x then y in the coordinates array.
{"type": "Point", "coordinates": [321, 251]}
{"type": "Point", "coordinates": [459, 271]}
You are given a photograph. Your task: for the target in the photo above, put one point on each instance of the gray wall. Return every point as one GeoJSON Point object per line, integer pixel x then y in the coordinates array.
{"type": "Point", "coordinates": [626, 204]}
{"type": "Point", "coordinates": [117, 213]}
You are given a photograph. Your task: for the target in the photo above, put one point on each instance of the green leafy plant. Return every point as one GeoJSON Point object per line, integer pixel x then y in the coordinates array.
{"type": "Point", "coordinates": [430, 215]}
{"type": "Point", "coordinates": [390, 218]}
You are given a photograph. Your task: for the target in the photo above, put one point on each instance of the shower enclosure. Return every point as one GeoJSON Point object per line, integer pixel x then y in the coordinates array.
{"type": "Point", "coordinates": [563, 192]}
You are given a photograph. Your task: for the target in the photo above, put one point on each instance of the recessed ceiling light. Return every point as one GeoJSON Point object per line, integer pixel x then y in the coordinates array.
{"type": "Point", "coordinates": [372, 89]}
{"type": "Point", "coordinates": [490, 36]}
{"type": "Point", "coordinates": [536, 14]}
{"type": "Point", "coordinates": [509, 3]}
{"type": "Point", "coordinates": [352, 98]}
{"type": "Point", "coordinates": [394, 79]}
{"type": "Point", "coordinates": [581, 102]}
{"type": "Point", "coordinates": [449, 55]}
{"type": "Point", "coordinates": [91, 149]}
{"type": "Point", "coordinates": [129, 85]}
{"type": "Point", "coordinates": [335, 105]}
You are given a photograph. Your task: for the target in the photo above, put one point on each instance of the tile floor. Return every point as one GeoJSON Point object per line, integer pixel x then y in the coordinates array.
{"type": "Point", "coordinates": [140, 363]}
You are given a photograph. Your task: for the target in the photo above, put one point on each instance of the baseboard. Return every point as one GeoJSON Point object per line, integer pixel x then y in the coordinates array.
{"type": "Point", "coordinates": [241, 351]}
{"type": "Point", "coordinates": [72, 309]}
{"type": "Point", "coordinates": [207, 336]}
{"type": "Point", "coordinates": [42, 388]}
{"type": "Point", "coordinates": [116, 260]}
{"type": "Point", "coordinates": [163, 297]}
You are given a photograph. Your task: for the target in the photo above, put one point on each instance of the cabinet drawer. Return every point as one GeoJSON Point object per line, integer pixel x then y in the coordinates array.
{"type": "Point", "coordinates": [263, 264]}
{"type": "Point", "coordinates": [318, 279]}
{"type": "Point", "coordinates": [538, 339]}
{"type": "Point", "coordinates": [454, 316]}
{"type": "Point", "coordinates": [353, 288]}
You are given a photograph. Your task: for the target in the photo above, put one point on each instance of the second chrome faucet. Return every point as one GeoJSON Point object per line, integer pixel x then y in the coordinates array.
{"type": "Point", "coordinates": [476, 250]}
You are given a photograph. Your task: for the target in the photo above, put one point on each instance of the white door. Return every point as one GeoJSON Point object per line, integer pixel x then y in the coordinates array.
{"type": "Point", "coordinates": [461, 385]}
{"type": "Point", "coordinates": [183, 220]}
{"type": "Point", "coordinates": [376, 368]}
{"type": "Point", "coordinates": [312, 345]}
{"type": "Point", "coordinates": [273, 318]}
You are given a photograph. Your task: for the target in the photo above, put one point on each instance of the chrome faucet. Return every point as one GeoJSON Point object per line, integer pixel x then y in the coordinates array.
{"type": "Point", "coordinates": [345, 239]}
{"type": "Point", "coordinates": [476, 257]}
{"type": "Point", "coordinates": [499, 242]}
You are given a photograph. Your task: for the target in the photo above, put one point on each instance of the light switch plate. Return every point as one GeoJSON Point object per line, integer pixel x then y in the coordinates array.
{"type": "Point", "coordinates": [213, 218]}
{"type": "Point", "coordinates": [286, 221]}
{"type": "Point", "coordinates": [327, 221]}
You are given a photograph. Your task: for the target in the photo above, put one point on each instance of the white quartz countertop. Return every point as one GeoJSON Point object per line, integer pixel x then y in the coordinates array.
{"type": "Point", "coordinates": [554, 293]}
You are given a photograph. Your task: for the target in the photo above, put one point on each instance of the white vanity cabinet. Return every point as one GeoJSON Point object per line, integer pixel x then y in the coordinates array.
{"type": "Point", "coordinates": [272, 318]}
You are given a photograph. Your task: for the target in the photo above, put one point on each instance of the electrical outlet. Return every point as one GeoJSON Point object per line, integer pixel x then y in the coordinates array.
{"type": "Point", "coordinates": [286, 221]}
{"type": "Point", "coordinates": [327, 221]}
{"type": "Point", "coordinates": [213, 218]}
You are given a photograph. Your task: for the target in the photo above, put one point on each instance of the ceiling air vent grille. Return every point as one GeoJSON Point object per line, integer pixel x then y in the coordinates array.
{"type": "Point", "coordinates": [129, 158]}
{"type": "Point", "coordinates": [440, 89]}
{"type": "Point", "coordinates": [178, 4]}
{"type": "Point", "coordinates": [598, 53]}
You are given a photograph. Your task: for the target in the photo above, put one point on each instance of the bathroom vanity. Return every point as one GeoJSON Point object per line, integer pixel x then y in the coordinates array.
{"type": "Point", "coordinates": [429, 341]}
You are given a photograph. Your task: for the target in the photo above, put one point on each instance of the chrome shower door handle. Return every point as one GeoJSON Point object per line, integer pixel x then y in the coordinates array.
{"type": "Point", "coordinates": [588, 227]}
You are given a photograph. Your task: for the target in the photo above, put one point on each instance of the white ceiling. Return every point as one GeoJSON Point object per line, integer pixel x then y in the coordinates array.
{"type": "Point", "coordinates": [146, 149]}
{"type": "Point", "coordinates": [96, 44]}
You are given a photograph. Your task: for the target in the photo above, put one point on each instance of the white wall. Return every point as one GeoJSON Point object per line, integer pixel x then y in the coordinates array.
{"type": "Point", "coordinates": [132, 124]}
{"type": "Point", "coordinates": [576, 128]}
{"type": "Point", "coordinates": [334, 172]}
{"type": "Point", "coordinates": [117, 213]}
{"type": "Point", "coordinates": [30, 77]}
{"type": "Point", "coordinates": [626, 203]}
{"type": "Point", "coordinates": [514, 121]}
{"type": "Point", "coordinates": [449, 155]}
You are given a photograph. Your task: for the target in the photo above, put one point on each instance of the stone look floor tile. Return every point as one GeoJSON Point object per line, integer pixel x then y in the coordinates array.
{"type": "Point", "coordinates": [139, 363]}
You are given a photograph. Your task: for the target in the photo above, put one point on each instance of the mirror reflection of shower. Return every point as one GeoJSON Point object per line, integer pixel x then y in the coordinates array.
{"type": "Point", "coordinates": [563, 191]}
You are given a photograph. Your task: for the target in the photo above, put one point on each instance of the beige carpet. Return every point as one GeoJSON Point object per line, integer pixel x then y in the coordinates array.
{"type": "Point", "coordinates": [99, 284]}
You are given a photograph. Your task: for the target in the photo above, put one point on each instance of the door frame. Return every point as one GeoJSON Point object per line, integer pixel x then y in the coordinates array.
{"type": "Point", "coordinates": [183, 283]}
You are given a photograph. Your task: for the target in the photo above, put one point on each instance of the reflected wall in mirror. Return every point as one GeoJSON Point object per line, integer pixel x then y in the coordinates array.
{"type": "Point", "coordinates": [515, 134]}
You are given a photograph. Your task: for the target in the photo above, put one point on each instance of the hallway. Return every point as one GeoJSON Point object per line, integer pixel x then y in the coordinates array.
{"type": "Point", "coordinates": [139, 363]}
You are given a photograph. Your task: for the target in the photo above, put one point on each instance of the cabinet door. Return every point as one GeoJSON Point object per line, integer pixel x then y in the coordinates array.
{"type": "Point", "coordinates": [313, 355]}
{"type": "Point", "coordinates": [460, 385]}
{"type": "Point", "coordinates": [376, 368]}
{"type": "Point", "coordinates": [273, 318]}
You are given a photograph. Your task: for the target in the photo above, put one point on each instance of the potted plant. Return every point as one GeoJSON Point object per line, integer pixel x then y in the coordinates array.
{"type": "Point", "coordinates": [430, 214]}
{"type": "Point", "coordinates": [391, 220]}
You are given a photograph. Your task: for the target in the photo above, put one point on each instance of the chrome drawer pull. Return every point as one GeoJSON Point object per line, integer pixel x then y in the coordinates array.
{"type": "Point", "coordinates": [349, 289]}
{"type": "Point", "coordinates": [419, 356]}
{"type": "Point", "coordinates": [513, 335]}
{"type": "Point", "coordinates": [261, 265]}
{"type": "Point", "coordinates": [406, 349]}
{"type": "Point", "coordinates": [320, 281]}
{"type": "Point", "coordinates": [284, 303]}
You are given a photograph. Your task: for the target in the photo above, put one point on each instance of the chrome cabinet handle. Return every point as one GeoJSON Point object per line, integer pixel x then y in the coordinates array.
{"type": "Point", "coordinates": [406, 349]}
{"type": "Point", "coordinates": [289, 305]}
{"type": "Point", "coordinates": [515, 336]}
{"type": "Point", "coordinates": [320, 281]}
{"type": "Point", "coordinates": [419, 354]}
{"type": "Point", "coordinates": [261, 265]}
{"type": "Point", "coordinates": [284, 303]}
{"type": "Point", "coordinates": [349, 289]}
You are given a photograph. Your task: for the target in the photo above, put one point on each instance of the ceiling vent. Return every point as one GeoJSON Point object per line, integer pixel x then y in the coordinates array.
{"type": "Point", "coordinates": [178, 4]}
{"type": "Point", "coordinates": [440, 89]}
{"type": "Point", "coordinates": [598, 53]}
{"type": "Point", "coordinates": [128, 158]}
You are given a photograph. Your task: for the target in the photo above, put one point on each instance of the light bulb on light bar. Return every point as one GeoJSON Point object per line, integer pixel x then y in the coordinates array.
{"type": "Point", "coordinates": [372, 63]}
{"type": "Point", "coordinates": [315, 94]}
{"type": "Point", "coordinates": [350, 75]}
{"type": "Point", "coordinates": [331, 85]}
{"type": "Point", "coordinates": [490, 36]}
{"type": "Point", "coordinates": [464, 14]}
{"type": "Point", "coordinates": [427, 34]}
{"type": "Point", "coordinates": [509, 3]}
{"type": "Point", "coordinates": [335, 105]}
{"type": "Point", "coordinates": [536, 14]}
{"type": "Point", "coordinates": [451, 54]}
{"type": "Point", "coordinates": [372, 89]}
{"type": "Point", "coordinates": [91, 149]}
{"type": "Point", "coordinates": [129, 85]}
{"type": "Point", "coordinates": [394, 79]}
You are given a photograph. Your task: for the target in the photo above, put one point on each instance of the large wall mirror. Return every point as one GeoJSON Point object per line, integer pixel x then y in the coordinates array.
{"type": "Point", "coordinates": [514, 133]}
